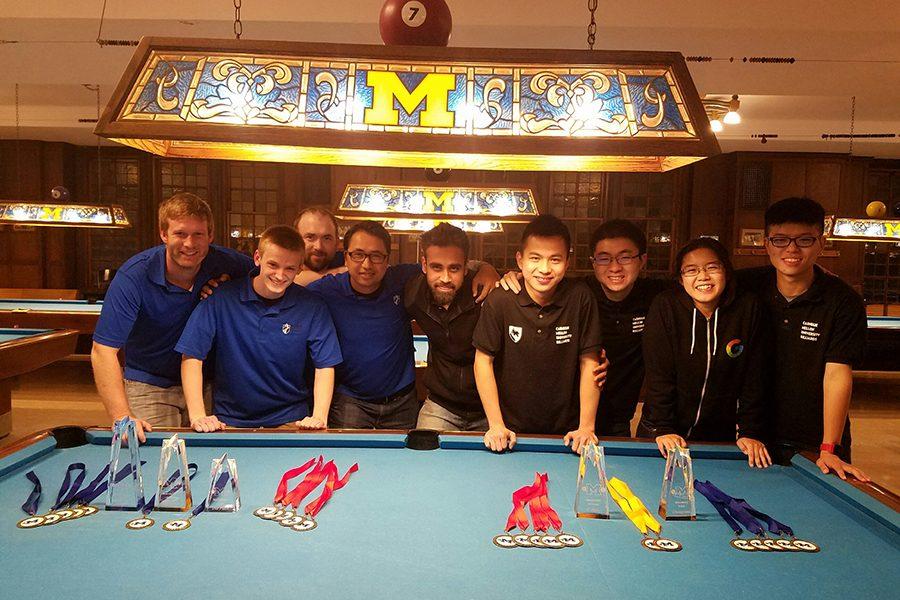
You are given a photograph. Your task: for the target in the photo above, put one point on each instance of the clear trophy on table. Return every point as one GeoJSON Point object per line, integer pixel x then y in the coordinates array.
{"type": "Point", "coordinates": [676, 501]}
{"type": "Point", "coordinates": [223, 473]}
{"type": "Point", "coordinates": [592, 496]}
{"type": "Point", "coordinates": [131, 477]}
{"type": "Point", "coordinates": [173, 492]}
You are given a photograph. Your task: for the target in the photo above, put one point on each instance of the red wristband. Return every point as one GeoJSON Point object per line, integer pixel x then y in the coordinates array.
{"type": "Point", "coordinates": [828, 448]}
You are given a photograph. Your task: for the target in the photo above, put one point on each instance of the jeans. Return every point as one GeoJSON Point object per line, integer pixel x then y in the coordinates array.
{"type": "Point", "coordinates": [434, 416]}
{"type": "Point", "coordinates": [348, 412]}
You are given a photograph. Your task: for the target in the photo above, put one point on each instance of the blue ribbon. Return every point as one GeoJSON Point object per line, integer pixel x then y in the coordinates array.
{"type": "Point", "coordinates": [166, 492]}
{"type": "Point", "coordinates": [719, 500]}
{"type": "Point", "coordinates": [98, 486]}
{"type": "Point", "coordinates": [69, 487]}
{"type": "Point", "coordinates": [217, 489]}
{"type": "Point", "coordinates": [34, 498]}
{"type": "Point", "coordinates": [740, 510]}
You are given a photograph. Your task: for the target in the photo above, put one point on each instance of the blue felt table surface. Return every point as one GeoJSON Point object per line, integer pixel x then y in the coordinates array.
{"type": "Point", "coordinates": [419, 524]}
{"type": "Point", "coordinates": [11, 335]}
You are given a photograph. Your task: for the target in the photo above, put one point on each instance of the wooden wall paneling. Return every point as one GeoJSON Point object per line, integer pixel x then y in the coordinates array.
{"type": "Point", "coordinates": [823, 183]}
{"type": "Point", "coordinates": [852, 202]}
{"type": "Point", "coordinates": [22, 181]}
{"type": "Point", "coordinates": [788, 178]}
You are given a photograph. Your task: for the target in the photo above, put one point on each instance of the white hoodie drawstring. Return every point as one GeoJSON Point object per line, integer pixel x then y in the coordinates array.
{"type": "Point", "coordinates": [693, 331]}
{"type": "Point", "coordinates": [715, 330]}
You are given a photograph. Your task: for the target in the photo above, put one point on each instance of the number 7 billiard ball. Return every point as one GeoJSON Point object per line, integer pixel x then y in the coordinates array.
{"type": "Point", "coordinates": [415, 23]}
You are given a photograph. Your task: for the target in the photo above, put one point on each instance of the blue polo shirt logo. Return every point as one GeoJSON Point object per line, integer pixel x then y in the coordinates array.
{"type": "Point", "coordinates": [286, 328]}
{"type": "Point", "coordinates": [396, 299]}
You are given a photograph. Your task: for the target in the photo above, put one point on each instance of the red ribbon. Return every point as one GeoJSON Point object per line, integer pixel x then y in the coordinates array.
{"type": "Point", "coordinates": [332, 485]}
{"type": "Point", "coordinates": [311, 482]}
{"type": "Point", "coordinates": [536, 497]}
{"type": "Point", "coordinates": [281, 492]}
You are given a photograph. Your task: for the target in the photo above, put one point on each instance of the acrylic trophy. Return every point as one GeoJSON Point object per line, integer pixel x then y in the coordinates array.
{"type": "Point", "coordinates": [173, 492]}
{"type": "Point", "coordinates": [676, 501]}
{"type": "Point", "coordinates": [124, 427]}
{"type": "Point", "coordinates": [592, 497]}
{"type": "Point", "coordinates": [223, 469]}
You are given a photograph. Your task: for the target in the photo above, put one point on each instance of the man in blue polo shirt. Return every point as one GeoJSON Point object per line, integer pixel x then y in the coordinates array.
{"type": "Point", "coordinates": [376, 387]}
{"type": "Point", "coordinates": [145, 310]}
{"type": "Point", "coordinates": [262, 330]}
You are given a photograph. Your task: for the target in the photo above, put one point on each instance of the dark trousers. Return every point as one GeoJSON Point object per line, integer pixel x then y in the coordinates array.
{"type": "Point", "coordinates": [398, 412]}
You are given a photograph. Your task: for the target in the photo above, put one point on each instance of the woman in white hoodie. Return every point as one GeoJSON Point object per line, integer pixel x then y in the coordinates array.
{"type": "Point", "coordinates": [704, 357]}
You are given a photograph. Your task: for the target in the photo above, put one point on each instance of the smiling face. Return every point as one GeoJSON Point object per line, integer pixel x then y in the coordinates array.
{"type": "Point", "coordinates": [617, 280]}
{"type": "Point", "coordinates": [792, 260]}
{"type": "Point", "coordinates": [445, 269]}
{"type": "Point", "coordinates": [277, 269]}
{"type": "Point", "coordinates": [320, 238]}
{"type": "Point", "coordinates": [703, 278]}
{"type": "Point", "coordinates": [543, 262]}
{"type": "Point", "coordinates": [187, 243]}
{"type": "Point", "coordinates": [365, 275]}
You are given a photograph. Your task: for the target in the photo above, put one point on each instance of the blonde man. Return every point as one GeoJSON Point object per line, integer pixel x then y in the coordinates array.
{"type": "Point", "coordinates": [147, 305]}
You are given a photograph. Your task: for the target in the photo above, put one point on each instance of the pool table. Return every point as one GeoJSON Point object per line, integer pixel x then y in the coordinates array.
{"type": "Point", "coordinates": [420, 524]}
{"type": "Point", "coordinates": [883, 344]}
{"type": "Point", "coordinates": [80, 315]}
{"type": "Point", "coordinates": [26, 350]}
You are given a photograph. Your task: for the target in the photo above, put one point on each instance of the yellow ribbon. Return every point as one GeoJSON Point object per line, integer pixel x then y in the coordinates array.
{"type": "Point", "coordinates": [632, 506]}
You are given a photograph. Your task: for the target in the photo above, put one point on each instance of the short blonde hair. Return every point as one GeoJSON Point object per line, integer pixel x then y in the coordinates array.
{"type": "Point", "coordinates": [181, 205]}
{"type": "Point", "coordinates": [283, 237]}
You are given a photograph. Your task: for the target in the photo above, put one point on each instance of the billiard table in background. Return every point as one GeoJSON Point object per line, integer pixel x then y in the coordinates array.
{"type": "Point", "coordinates": [420, 524]}
{"type": "Point", "coordinates": [26, 350]}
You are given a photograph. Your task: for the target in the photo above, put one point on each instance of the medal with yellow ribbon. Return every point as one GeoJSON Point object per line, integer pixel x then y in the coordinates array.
{"type": "Point", "coordinates": [638, 514]}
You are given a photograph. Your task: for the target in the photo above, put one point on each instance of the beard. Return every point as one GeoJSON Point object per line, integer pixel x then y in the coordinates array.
{"type": "Point", "coordinates": [315, 263]}
{"type": "Point", "coordinates": [442, 297]}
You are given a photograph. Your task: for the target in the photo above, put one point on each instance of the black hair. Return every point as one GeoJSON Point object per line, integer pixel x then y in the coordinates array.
{"type": "Point", "coordinates": [547, 226]}
{"type": "Point", "coordinates": [796, 210]}
{"type": "Point", "coordinates": [373, 228]}
{"type": "Point", "coordinates": [619, 228]}
{"type": "Point", "coordinates": [444, 235]}
{"type": "Point", "coordinates": [721, 253]}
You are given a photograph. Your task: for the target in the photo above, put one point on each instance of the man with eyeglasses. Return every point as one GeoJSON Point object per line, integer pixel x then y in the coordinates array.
{"type": "Point", "coordinates": [624, 298]}
{"type": "Point", "coordinates": [375, 385]}
{"type": "Point", "coordinates": [819, 326]}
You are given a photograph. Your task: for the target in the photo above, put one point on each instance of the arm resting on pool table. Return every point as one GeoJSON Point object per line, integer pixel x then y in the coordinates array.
{"type": "Point", "coordinates": [837, 387]}
{"type": "Point", "coordinates": [111, 386]}
{"type": "Point", "coordinates": [323, 389]}
{"type": "Point", "coordinates": [589, 398]}
{"type": "Point", "coordinates": [192, 385]}
{"type": "Point", "coordinates": [498, 437]}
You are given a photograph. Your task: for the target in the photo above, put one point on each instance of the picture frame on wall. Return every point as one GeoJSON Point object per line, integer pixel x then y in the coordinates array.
{"type": "Point", "coordinates": [753, 238]}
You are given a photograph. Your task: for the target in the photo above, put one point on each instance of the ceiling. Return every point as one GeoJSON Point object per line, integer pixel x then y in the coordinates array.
{"type": "Point", "coordinates": [842, 49]}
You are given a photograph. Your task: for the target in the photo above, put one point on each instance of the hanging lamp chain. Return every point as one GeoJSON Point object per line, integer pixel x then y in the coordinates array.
{"type": "Point", "coordinates": [592, 26]}
{"type": "Point", "coordinates": [238, 26]}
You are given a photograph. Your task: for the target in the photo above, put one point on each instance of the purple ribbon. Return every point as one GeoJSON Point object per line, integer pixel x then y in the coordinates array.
{"type": "Point", "coordinates": [34, 498]}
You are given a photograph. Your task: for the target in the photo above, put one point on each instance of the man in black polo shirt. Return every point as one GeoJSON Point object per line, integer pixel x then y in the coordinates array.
{"type": "Point", "coordinates": [448, 318]}
{"type": "Point", "coordinates": [819, 326]}
{"type": "Point", "coordinates": [536, 351]}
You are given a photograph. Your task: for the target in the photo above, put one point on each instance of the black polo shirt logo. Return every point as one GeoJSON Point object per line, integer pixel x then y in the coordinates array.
{"type": "Point", "coordinates": [637, 324]}
{"type": "Point", "coordinates": [515, 333]}
{"type": "Point", "coordinates": [809, 331]}
{"type": "Point", "coordinates": [563, 334]}
{"type": "Point", "coordinates": [286, 328]}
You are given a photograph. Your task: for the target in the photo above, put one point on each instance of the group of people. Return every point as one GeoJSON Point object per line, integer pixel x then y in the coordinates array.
{"type": "Point", "coordinates": [316, 337]}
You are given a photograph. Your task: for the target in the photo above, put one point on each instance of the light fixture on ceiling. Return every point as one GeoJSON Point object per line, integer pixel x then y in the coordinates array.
{"type": "Point", "coordinates": [61, 212]}
{"type": "Point", "coordinates": [732, 117]}
{"type": "Point", "coordinates": [722, 112]}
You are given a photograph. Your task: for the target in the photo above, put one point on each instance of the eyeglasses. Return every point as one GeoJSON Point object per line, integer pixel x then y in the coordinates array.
{"type": "Point", "coordinates": [783, 241]}
{"type": "Point", "coordinates": [713, 268]}
{"type": "Point", "coordinates": [605, 260]}
{"type": "Point", "coordinates": [359, 256]}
